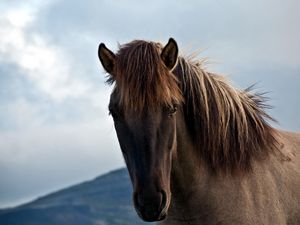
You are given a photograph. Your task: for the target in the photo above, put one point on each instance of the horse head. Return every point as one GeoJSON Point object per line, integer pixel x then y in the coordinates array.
{"type": "Point", "coordinates": [143, 106]}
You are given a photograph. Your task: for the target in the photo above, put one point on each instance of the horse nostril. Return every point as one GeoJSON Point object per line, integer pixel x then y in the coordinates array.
{"type": "Point", "coordinates": [151, 206]}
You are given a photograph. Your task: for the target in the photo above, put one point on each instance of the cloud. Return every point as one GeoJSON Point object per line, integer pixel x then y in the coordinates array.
{"type": "Point", "coordinates": [44, 64]}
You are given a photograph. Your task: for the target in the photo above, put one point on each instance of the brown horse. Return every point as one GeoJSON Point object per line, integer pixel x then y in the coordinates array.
{"type": "Point", "coordinates": [187, 133]}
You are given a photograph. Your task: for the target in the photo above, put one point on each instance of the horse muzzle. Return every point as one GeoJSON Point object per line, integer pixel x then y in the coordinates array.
{"type": "Point", "coordinates": [151, 206]}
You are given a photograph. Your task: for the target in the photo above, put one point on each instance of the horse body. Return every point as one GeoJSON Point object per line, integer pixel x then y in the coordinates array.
{"type": "Point", "coordinates": [198, 151]}
{"type": "Point", "coordinates": [268, 195]}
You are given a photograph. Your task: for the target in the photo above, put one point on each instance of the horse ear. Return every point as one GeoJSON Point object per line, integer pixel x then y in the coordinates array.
{"type": "Point", "coordinates": [169, 54]}
{"type": "Point", "coordinates": [107, 58]}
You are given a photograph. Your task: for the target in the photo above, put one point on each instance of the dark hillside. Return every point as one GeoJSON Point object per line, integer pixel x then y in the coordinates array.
{"type": "Point", "coordinates": [105, 200]}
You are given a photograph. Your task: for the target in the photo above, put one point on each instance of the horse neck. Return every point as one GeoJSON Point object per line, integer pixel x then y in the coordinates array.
{"type": "Point", "coordinates": [189, 174]}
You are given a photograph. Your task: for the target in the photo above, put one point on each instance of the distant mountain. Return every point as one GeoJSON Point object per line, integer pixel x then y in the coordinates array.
{"type": "Point", "coordinates": [105, 200]}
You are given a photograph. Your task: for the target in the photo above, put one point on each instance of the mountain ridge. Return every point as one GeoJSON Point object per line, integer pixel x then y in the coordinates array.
{"type": "Point", "coordinates": [104, 200]}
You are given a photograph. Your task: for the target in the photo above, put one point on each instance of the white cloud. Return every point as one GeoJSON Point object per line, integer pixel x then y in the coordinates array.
{"type": "Point", "coordinates": [19, 17]}
{"type": "Point", "coordinates": [43, 63]}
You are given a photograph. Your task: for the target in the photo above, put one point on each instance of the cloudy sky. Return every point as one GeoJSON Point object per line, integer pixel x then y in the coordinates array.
{"type": "Point", "coordinates": [54, 126]}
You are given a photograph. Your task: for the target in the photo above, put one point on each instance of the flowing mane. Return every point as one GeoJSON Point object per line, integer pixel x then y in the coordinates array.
{"type": "Point", "coordinates": [229, 125]}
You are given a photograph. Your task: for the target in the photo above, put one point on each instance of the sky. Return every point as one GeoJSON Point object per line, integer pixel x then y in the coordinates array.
{"type": "Point", "coordinates": [54, 125]}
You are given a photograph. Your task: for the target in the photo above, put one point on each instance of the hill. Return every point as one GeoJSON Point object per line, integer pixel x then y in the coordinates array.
{"type": "Point", "coordinates": [106, 200]}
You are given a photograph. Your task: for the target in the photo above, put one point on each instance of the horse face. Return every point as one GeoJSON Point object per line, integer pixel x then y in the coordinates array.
{"type": "Point", "coordinates": [147, 141]}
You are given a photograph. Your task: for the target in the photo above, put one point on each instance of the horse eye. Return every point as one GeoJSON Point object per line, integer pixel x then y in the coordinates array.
{"type": "Point", "coordinates": [172, 111]}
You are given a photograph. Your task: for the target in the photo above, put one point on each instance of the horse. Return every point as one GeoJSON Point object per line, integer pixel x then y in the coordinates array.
{"type": "Point", "coordinates": [198, 150]}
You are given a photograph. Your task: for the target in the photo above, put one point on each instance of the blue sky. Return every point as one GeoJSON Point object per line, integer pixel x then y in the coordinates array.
{"type": "Point", "coordinates": [54, 126]}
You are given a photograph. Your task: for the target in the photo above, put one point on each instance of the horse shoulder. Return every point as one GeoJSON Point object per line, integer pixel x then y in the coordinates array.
{"type": "Point", "coordinates": [283, 173]}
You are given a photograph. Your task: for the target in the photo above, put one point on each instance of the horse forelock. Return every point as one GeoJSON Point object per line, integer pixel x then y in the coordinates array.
{"type": "Point", "coordinates": [141, 79]}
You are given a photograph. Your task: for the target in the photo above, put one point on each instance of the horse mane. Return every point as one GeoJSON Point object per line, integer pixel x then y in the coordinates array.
{"type": "Point", "coordinates": [229, 125]}
{"type": "Point", "coordinates": [142, 80]}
